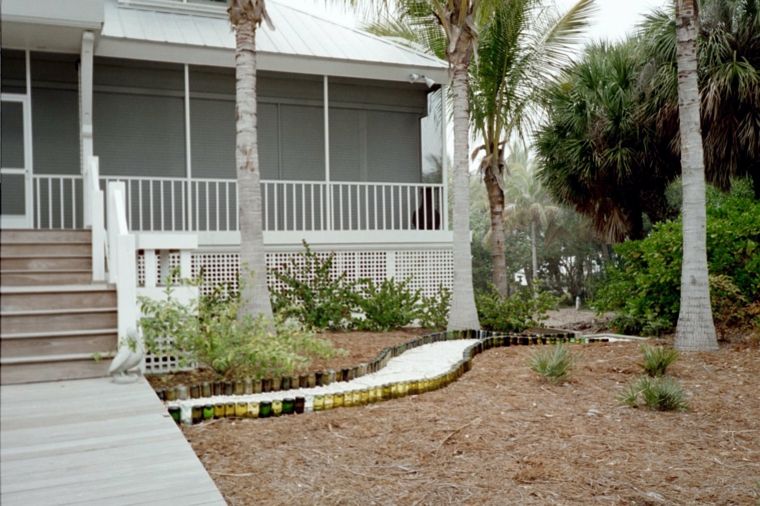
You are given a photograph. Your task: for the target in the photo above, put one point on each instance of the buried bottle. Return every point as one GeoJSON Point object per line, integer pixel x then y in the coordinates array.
{"type": "Point", "coordinates": [208, 412]}
{"type": "Point", "coordinates": [300, 405]}
{"type": "Point", "coordinates": [229, 409]}
{"type": "Point", "coordinates": [265, 409]}
{"type": "Point", "coordinates": [206, 389]}
{"type": "Point", "coordinates": [253, 409]}
{"type": "Point", "coordinates": [241, 409]}
{"type": "Point", "coordinates": [176, 413]}
{"type": "Point", "coordinates": [288, 406]}
{"type": "Point", "coordinates": [276, 407]}
{"type": "Point", "coordinates": [219, 410]}
{"type": "Point", "coordinates": [196, 414]}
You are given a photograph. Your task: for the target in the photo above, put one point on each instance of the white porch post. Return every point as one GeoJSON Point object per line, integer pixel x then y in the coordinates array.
{"type": "Point", "coordinates": [188, 152]}
{"type": "Point", "coordinates": [326, 99]}
{"type": "Point", "coordinates": [85, 119]}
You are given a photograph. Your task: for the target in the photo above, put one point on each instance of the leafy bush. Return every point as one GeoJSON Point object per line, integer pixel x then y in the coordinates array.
{"type": "Point", "coordinates": [643, 284]}
{"type": "Point", "coordinates": [659, 394]}
{"type": "Point", "coordinates": [553, 364]}
{"type": "Point", "coordinates": [208, 333]}
{"type": "Point", "coordinates": [434, 312]}
{"type": "Point", "coordinates": [657, 359]}
{"type": "Point", "coordinates": [515, 313]}
{"type": "Point", "coordinates": [389, 305]}
{"type": "Point", "coordinates": [313, 294]}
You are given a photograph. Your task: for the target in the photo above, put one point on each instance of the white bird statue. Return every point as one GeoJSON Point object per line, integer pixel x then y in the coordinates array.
{"type": "Point", "coordinates": [125, 365]}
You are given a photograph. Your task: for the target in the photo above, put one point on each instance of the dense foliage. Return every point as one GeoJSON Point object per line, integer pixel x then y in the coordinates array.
{"type": "Point", "coordinates": [609, 145]}
{"type": "Point", "coordinates": [552, 363]}
{"type": "Point", "coordinates": [208, 333]}
{"type": "Point", "coordinates": [514, 313]}
{"type": "Point", "coordinates": [388, 305]}
{"type": "Point", "coordinates": [643, 285]}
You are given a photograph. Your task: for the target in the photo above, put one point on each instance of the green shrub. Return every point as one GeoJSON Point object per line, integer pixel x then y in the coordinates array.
{"type": "Point", "coordinates": [643, 284]}
{"type": "Point", "coordinates": [207, 332]}
{"type": "Point", "coordinates": [657, 359]}
{"type": "Point", "coordinates": [659, 394]}
{"type": "Point", "coordinates": [434, 313]}
{"type": "Point", "coordinates": [313, 294]}
{"type": "Point", "coordinates": [389, 305]}
{"type": "Point", "coordinates": [516, 313]}
{"type": "Point", "coordinates": [553, 364]}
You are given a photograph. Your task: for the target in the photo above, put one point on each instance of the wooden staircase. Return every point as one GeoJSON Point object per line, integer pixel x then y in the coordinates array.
{"type": "Point", "coordinates": [55, 323]}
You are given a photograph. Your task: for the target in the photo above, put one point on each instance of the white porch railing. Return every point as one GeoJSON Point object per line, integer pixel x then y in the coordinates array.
{"type": "Point", "coordinates": [211, 205]}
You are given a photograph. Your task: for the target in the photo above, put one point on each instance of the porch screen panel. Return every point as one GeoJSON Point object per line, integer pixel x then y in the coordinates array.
{"type": "Point", "coordinates": [12, 138]}
{"type": "Point", "coordinates": [55, 131]}
{"type": "Point", "coordinates": [302, 155]}
{"type": "Point", "coordinates": [12, 71]}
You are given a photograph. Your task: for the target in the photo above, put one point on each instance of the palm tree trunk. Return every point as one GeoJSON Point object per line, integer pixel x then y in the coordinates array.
{"type": "Point", "coordinates": [695, 330]}
{"type": "Point", "coordinates": [462, 314]}
{"type": "Point", "coordinates": [253, 272]}
{"type": "Point", "coordinates": [533, 251]}
{"type": "Point", "coordinates": [498, 235]}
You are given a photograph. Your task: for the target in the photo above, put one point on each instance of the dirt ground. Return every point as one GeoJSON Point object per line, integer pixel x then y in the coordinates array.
{"type": "Point", "coordinates": [359, 346]}
{"type": "Point", "coordinates": [499, 435]}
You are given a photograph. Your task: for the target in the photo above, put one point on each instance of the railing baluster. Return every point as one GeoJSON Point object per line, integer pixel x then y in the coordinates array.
{"type": "Point", "coordinates": [197, 207]}
{"type": "Point", "coordinates": [50, 202]}
{"type": "Point", "coordinates": [266, 206]}
{"type": "Point", "coordinates": [311, 205]}
{"type": "Point", "coordinates": [350, 209]}
{"type": "Point", "coordinates": [303, 205]}
{"type": "Point", "coordinates": [393, 208]}
{"type": "Point", "coordinates": [171, 196]}
{"type": "Point", "coordinates": [216, 204]}
{"type": "Point", "coordinates": [417, 223]}
{"type": "Point", "coordinates": [276, 206]}
{"type": "Point", "coordinates": [293, 206]}
{"type": "Point", "coordinates": [409, 206]}
{"type": "Point", "coordinates": [73, 203]}
{"type": "Point", "coordinates": [385, 210]}
{"type": "Point", "coordinates": [227, 205]}
{"type": "Point", "coordinates": [60, 201]}
{"type": "Point", "coordinates": [366, 206]}
{"type": "Point", "coordinates": [208, 222]}
{"type": "Point", "coordinates": [37, 203]}
{"type": "Point", "coordinates": [340, 204]}
{"type": "Point", "coordinates": [150, 207]}
{"type": "Point", "coordinates": [140, 203]}
{"type": "Point", "coordinates": [424, 208]}
{"type": "Point", "coordinates": [322, 206]}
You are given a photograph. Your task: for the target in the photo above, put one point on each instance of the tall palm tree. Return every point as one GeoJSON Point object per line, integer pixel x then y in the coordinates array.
{"type": "Point", "coordinates": [246, 16]}
{"type": "Point", "coordinates": [695, 330]}
{"type": "Point", "coordinates": [523, 43]}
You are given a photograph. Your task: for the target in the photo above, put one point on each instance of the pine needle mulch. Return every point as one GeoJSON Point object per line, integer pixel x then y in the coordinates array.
{"type": "Point", "coordinates": [499, 435]}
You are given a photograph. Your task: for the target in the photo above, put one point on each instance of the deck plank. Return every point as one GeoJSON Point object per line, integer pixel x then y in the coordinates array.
{"type": "Point", "coordinates": [94, 442]}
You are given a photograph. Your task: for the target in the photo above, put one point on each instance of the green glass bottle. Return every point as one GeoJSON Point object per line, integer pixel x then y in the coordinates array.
{"type": "Point", "coordinates": [285, 383]}
{"type": "Point", "coordinates": [288, 406]}
{"type": "Point", "coordinates": [176, 413]}
{"type": "Point", "coordinates": [265, 409]}
{"type": "Point", "coordinates": [208, 412]}
{"type": "Point", "coordinates": [276, 407]}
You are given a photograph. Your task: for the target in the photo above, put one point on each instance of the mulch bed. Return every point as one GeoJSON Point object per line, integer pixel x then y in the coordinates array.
{"type": "Point", "coordinates": [360, 347]}
{"type": "Point", "coordinates": [499, 435]}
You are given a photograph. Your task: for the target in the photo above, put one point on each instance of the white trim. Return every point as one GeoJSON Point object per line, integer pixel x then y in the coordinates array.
{"type": "Point", "coordinates": [22, 220]}
{"type": "Point", "coordinates": [86, 142]}
{"type": "Point", "coordinates": [444, 158]}
{"type": "Point", "coordinates": [188, 149]}
{"type": "Point", "coordinates": [365, 238]}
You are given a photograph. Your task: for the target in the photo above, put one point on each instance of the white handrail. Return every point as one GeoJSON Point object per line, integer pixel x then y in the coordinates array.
{"type": "Point", "coordinates": [93, 199]}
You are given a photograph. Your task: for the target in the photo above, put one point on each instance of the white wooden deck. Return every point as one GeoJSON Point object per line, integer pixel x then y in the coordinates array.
{"type": "Point", "coordinates": [91, 442]}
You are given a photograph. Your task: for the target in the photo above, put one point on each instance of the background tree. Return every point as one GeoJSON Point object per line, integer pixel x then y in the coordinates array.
{"type": "Point", "coordinates": [695, 330]}
{"type": "Point", "coordinates": [245, 17]}
{"type": "Point", "coordinates": [522, 45]}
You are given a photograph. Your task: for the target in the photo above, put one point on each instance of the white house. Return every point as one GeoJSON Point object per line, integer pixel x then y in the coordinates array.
{"type": "Point", "coordinates": [350, 131]}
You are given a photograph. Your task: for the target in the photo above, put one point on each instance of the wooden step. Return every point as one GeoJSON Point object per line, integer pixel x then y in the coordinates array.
{"type": "Point", "coordinates": [45, 249]}
{"type": "Point", "coordinates": [25, 298]}
{"type": "Point", "coordinates": [48, 277]}
{"type": "Point", "coordinates": [41, 263]}
{"type": "Point", "coordinates": [52, 368]}
{"type": "Point", "coordinates": [47, 236]}
{"type": "Point", "coordinates": [103, 341]}
{"type": "Point", "coordinates": [34, 321]}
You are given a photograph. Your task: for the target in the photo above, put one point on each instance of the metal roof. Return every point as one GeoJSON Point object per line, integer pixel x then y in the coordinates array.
{"type": "Point", "coordinates": [301, 41]}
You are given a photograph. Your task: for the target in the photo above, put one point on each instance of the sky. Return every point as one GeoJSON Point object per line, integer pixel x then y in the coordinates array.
{"type": "Point", "coordinates": [613, 20]}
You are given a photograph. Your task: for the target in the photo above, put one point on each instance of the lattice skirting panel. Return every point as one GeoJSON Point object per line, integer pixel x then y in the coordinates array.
{"type": "Point", "coordinates": [425, 269]}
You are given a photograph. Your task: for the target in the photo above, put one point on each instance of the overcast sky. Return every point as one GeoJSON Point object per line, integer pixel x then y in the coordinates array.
{"type": "Point", "coordinates": [614, 19]}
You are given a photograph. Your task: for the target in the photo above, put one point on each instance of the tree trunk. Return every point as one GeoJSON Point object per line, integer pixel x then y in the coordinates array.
{"type": "Point", "coordinates": [533, 252]}
{"type": "Point", "coordinates": [462, 314]}
{"type": "Point", "coordinates": [253, 271]}
{"type": "Point", "coordinates": [695, 330]}
{"type": "Point", "coordinates": [498, 235]}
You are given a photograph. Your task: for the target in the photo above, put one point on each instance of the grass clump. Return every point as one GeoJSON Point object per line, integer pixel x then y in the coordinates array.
{"type": "Point", "coordinates": [656, 393]}
{"type": "Point", "coordinates": [657, 359]}
{"type": "Point", "coordinates": [553, 364]}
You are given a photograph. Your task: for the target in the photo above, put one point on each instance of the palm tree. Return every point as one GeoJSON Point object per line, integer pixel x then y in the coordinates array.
{"type": "Point", "coordinates": [529, 205]}
{"type": "Point", "coordinates": [695, 330]}
{"type": "Point", "coordinates": [245, 17]}
{"type": "Point", "coordinates": [522, 46]}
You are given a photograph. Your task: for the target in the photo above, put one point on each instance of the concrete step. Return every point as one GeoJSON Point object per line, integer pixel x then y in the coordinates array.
{"type": "Point", "coordinates": [61, 320]}
{"type": "Point", "coordinates": [45, 249]}
{"type": "Point", "coordinates": [95, 341]}
{"type": "Point", "coordinates": [52, 297]}
{"type": "Point", "coordinates": [51, 262]}
{"type": "Point", "coordinates": [53, 368]}
{"type": "Point", "coordinates": [44, 277]}
{"type": "Point", "coordinates": [37, 236]}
